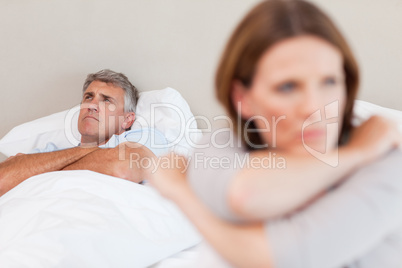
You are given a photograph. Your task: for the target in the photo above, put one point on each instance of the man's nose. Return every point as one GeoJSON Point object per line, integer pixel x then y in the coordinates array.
{"type": "Point", "coordinates": [93, 106]}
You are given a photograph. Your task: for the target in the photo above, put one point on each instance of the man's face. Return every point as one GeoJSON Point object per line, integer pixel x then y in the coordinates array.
{"type": "Point", "coordinates": [102, 113]}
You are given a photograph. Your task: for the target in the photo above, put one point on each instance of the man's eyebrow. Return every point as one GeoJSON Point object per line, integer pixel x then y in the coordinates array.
{"type": "Point", "coordinates": [107, 97]}
{"type": "Point", "coordinates": [88, 94]}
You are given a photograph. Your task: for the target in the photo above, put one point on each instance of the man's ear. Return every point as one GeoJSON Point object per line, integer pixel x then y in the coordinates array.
{"type": "Point", "coordinates": [128, 120]}
{"type": "Point", "coordinates": [241, 100]}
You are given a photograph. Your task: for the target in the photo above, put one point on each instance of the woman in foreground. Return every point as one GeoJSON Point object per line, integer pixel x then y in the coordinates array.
{"type": "Point", "coordinates": [335, 200]}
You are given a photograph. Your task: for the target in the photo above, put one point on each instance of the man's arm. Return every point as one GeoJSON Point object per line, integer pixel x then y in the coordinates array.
{"type": "Point", "coordinates": [19, 168]}
{"type": "Point", "coordinates": [128, 161]}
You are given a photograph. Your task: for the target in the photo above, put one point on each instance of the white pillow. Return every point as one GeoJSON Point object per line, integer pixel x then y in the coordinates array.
{"type": "Point", "coordinates": [164, 110]}
{"type": "Point", "coordinates": [363, 110]}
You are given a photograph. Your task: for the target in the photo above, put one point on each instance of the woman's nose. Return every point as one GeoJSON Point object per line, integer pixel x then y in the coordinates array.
{"type": "Point", "coordinates": [310, 103]}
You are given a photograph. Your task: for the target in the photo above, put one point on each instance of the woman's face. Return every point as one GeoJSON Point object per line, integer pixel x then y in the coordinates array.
{"type": "Point", "coordinates": [298, 95]}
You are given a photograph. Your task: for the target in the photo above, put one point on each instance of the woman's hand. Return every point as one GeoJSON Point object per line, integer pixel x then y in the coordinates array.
{"type": "Point", "coordinates": [169, 178]}
{"type": "Point", "coordinates": [375, 137]}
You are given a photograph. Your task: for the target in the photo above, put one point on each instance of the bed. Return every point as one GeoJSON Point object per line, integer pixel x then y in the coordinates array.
{"type": "Point", "coordinates": [86, 219]}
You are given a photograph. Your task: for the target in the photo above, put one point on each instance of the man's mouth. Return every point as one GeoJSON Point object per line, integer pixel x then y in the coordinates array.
{"type": "Point", "coordinates": [91, 117]}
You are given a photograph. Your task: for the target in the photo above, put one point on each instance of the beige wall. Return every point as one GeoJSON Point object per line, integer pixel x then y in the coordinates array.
{"type": "Point", "coordinates": [47, 48]}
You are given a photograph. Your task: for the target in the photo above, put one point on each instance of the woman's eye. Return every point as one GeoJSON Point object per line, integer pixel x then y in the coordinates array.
{"type": "Point", "coordinates": [287, 87]}
{"type": "Point", "coordinates": [330, 81]}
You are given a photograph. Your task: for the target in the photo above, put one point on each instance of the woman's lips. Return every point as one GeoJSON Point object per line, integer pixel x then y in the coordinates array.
{"type": "Point", "coordinates": [312, 134]}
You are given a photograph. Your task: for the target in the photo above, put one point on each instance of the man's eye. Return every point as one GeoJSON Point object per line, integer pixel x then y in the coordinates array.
{"type": "Point", "coordinates": [287, 87]}
{"type": "Point", "coordinates": [87, 97]}
{"type": "Point", "coordinates": [107, 100]}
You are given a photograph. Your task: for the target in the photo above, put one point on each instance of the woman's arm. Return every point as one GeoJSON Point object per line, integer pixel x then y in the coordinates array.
{"type": "Point", "coordinates": [259, 194]}
{"type": "Point", "coordinates": [338, 229]}
{"type": "Point", "coordinates": [252, 192]}
{"type": "Point", "coordinates": [241, 245]}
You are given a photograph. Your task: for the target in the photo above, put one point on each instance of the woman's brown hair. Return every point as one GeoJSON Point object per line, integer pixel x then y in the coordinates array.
{"type": "Point", "coordinates": [265, 25]}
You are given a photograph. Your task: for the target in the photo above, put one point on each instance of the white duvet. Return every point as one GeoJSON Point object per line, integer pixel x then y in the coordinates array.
{"type": "Point", "coordinates": [86, 219]}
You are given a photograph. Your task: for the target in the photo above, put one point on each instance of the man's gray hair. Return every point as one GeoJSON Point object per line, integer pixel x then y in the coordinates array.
{"type": "Point", "coordinates": [117, 80]}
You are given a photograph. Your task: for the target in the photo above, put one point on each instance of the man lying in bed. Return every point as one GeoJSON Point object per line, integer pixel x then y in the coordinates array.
{"type": "Point", "coordinates": [107, 113]}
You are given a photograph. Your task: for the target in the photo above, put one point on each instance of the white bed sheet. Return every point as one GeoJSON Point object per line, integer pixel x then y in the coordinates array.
{"type": "Point", "coordinates": [87, 219]}
{"type": "Point", "coordinates": [199, 256]}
